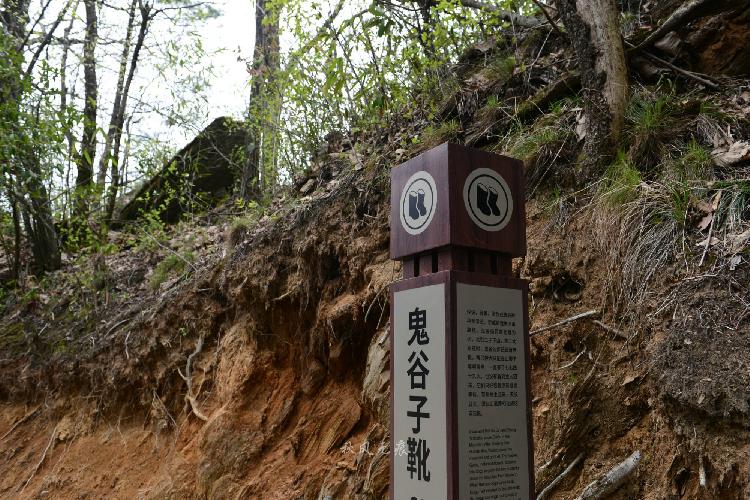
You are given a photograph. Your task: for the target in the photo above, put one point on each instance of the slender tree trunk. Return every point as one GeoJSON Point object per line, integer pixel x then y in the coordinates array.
{"type": "Point", "coordinates": [265, 105]}
{"type": "Point", "coordinates": [594, 31]}
{"type": "Point", "coordinates": [85, 160]}
{"type": "Point", "coordinates": [23, 162]}
{"type": "Point", "coordinates": [122, 72]}
{"type": "Point", "coordinates": [146, 16]}
{"type": "Point", "coordinates": [67, 209]}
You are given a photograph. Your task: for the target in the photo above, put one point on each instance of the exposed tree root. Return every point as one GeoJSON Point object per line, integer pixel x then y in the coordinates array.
{"type": "Point", "coordinates": [189, 396]}
{"type": "Point", "coordinates": [612, 480]}
{"type": "Point", "coordinates": [41, 460]}
{"type": "Point", "coordinates": [551, 486]}
{"type": "Point", "coordinates": [22, 420]}
{"type": "Point", "coordinates": [586, 314]}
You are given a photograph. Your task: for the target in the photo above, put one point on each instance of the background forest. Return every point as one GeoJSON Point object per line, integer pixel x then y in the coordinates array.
{"type": "Point", "coordinates": [96, 97]}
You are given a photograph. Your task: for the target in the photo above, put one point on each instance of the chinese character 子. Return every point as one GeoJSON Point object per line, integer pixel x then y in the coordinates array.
{"type": "Point", "coordinates": [417, 371]}
{"type": "Point", "coordinates": [418, 413]}
{"type": "Point", "coordinates": [418, 326]}
{"type": "Point", "coordinates": [416, 460]}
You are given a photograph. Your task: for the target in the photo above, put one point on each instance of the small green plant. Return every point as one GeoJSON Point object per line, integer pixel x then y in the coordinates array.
{"type": "Point", "coordinates": [527, 144]}
{"type": "Point", "coordinates": [621, 181]}
{"type": "Point", "coordinates": [436, 135]}
{"type": "Point", "coordinates": [171, 265]}
{"type": "Point", "coordinates": [694, 163]}
{"type": "Point", "coordinates": [679, 197]}
{"type": "Point", "coordinates": [650, 121]}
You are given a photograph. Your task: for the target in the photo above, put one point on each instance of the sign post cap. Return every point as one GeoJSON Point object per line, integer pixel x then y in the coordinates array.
{"type": "Point", "coordinates": [454, 195]}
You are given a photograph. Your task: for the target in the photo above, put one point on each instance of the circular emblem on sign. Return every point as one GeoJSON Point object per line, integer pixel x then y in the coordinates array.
{"type": "Point", "coordinates": [488, 200]}
{"type": "Point", "coordinates": [418, 202]}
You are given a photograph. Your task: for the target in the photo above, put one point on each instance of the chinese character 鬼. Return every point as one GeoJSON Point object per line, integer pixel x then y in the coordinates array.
{"type": "Point", "coordinates": [418, 326]}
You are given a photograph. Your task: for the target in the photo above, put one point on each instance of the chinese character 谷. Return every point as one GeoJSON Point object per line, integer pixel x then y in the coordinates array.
{"type": "Point", "coordinates": [417, 371]}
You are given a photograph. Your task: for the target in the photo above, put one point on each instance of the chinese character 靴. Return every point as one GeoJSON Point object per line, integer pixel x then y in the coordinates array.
{"type": "Point", "coordinates": [418, 326]}
{"type": "Point", "coordinates": [417, 459]}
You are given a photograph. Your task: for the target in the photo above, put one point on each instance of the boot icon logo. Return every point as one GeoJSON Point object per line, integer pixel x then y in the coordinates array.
{"type": "Point", "coordinates": [487, 199]}
{"type": "Point", "coordinates": [418, 202]}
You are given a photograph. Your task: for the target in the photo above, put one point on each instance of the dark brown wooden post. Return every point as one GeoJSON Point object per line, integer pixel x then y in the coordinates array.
{"type": "Point", "coordinates": [460, 380]}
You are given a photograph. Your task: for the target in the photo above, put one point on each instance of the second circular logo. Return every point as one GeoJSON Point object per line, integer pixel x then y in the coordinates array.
{"type": "Point", "coordinates": [487, 199]}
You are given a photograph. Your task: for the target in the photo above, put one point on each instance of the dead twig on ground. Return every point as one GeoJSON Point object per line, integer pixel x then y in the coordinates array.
{"type": "Point", "coordinates": [613, 331]}
{"type": "Point", "coordinates": [698, 77]}
{"type": "Point", "coordinates": [551, 486]}
{"type": "Point", "coordinates": [568, 365]}
{"type": "Point", "coordinates": [41, 460]}
{"type": "Point", "coordinates": [189, 396]}
{"type": "Point", "coordinates": [586, 314]}
{"type": "Point", "coordinates": [609, 482]}
{"type": "Point", "coordinates": [22, 420]}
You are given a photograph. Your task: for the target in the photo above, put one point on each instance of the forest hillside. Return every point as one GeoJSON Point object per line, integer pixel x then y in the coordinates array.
{"type": "Point", "coordinates": [233, 342]}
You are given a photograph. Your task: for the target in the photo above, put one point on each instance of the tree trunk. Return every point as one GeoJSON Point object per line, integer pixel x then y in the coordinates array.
{"type": "Point", "coordinates": [594, 31]}
{"type": "Point", "coordinates": [23, 162]}
{"type": "Point", "coordinates": [265, 105]}
{"type": "Point", "coordinates": [104, 160]}
{"type": "Point", "coordinates": [85, 159]}
{"type": "Point", "coordinates": [119, 117]}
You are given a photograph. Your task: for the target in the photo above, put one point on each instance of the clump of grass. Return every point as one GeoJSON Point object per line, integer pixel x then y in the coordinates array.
{"type": "Point", "coordinates": [621, 181]}
{"type": "Point", "coordinates": [499, 69]}
{"type": "Point", "coordinates": [526, 145]}
{"type": "Point", "coordinates": [679, 202]}
{"type": "Point", "coordinates": [172, 264]}
{"type": "Point", "coordinates": [649, 123]}
{"type": "Point", "coordinates": [695, 162]}
{"type": "Point", "coordinates": [435, 135]}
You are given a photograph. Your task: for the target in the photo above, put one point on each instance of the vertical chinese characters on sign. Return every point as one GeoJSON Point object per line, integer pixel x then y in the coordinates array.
{"type": "Point", "coordinates": [420, 443]}
{"type": "Point", "coordinates": [418, 450]}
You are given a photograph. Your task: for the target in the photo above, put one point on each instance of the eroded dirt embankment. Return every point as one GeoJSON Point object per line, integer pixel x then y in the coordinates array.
{"type": "Point", "coordinates": [286, 338]}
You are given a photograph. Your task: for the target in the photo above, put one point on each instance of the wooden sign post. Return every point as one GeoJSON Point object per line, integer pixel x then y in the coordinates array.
{"type": "Point", "coordinates": [460, 383]}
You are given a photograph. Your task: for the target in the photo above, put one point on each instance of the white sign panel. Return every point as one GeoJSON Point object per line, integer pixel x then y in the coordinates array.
{"type": "Point", "coordinates": [493, 448]}
{"type": "Point", "coordinates": [419, 392]}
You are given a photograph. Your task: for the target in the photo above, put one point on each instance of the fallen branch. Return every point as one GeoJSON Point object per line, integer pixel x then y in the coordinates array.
{"type": "Point", "coordinates": [611, 330]}
{"type": "Point", "coordinates": [680, 17]}
{"type": "Point", "coordinates": [586, 314]}
{"type": "Point", "coordinates": [702, 79]}
{"type": "Point", "coordinates": [551, 486]}
{"type": "Point", "coordinates": [547, 16]}
{"type": "Point", "coordinates": [22, 420]}
{"type": "Point", "coordinates": [189, 397]}
{"type": "Point", "coordinates": [41, 460]}
{"type": "Point", "coordinates": [612, 480]}
{"type": "Point", "coordinates": [506, 15]}
{"type": "Point", "coordinates": [568, 365]}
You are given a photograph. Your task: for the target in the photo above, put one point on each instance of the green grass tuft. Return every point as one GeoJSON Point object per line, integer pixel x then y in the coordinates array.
{"type": "Point", "coordinates": [695, 162]}
{"type": "Point", "coordinates": [171, 265]}
{"type": "Point", "coordinates": [621, 181]}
